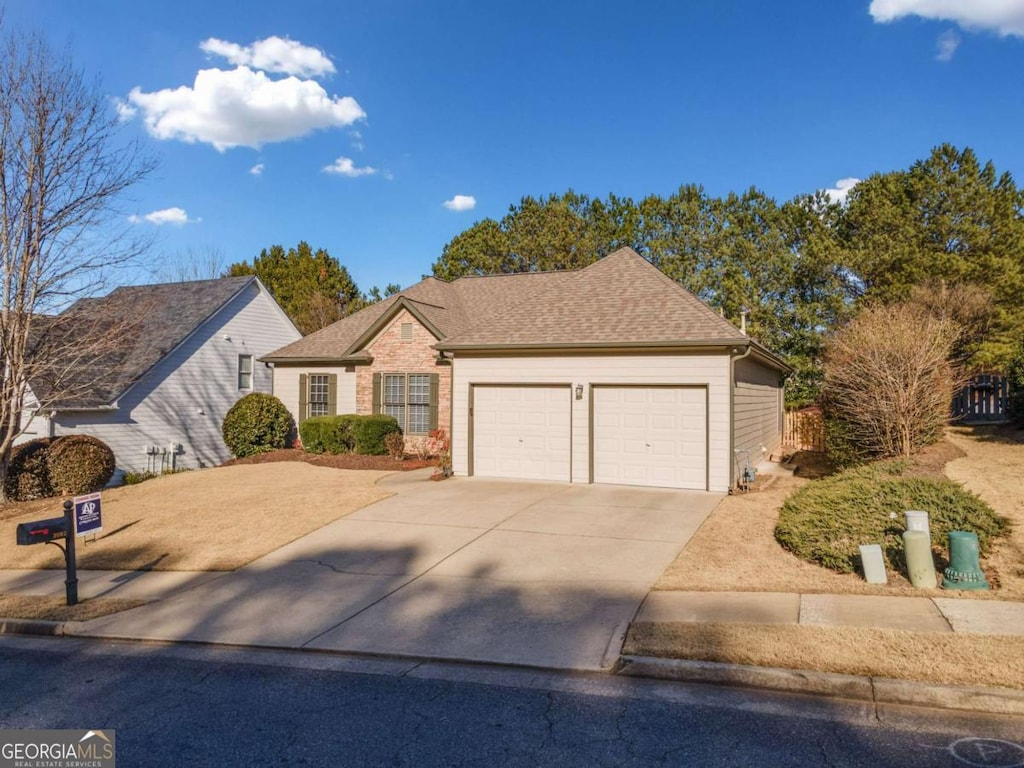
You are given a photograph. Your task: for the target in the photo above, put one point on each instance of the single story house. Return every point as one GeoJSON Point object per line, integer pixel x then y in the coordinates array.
{"type": "Point", "coordinates": [609, 374]}
{"type": "Point", "coordinates": [175, 358]}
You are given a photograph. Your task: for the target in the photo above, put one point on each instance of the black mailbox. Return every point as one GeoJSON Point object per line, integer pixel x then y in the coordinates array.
{"type": "Point", "coordinates": [42, 531]}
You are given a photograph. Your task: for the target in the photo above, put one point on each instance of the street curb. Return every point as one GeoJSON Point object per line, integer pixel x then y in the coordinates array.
{"type": "Point", "coordinates": [880, 691]}
{"type": "Point", "coordinates": [32, 627]}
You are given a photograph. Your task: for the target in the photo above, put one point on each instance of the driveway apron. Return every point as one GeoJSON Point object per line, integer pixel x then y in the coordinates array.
{"type": "Point", "coordinates": [536, 574]}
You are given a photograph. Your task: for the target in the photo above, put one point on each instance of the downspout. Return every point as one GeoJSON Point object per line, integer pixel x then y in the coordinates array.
{"type": "Point", "coordinates": [732, 412]}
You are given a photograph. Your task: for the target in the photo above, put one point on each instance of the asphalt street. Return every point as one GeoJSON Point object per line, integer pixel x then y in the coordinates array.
{"type": "Point", "coordinates": [181, 705]}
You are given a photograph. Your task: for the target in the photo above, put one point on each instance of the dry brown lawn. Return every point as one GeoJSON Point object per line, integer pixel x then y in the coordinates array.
{"type": "Point", "coordinates": [948, 659]}
{"type": "Point", "coordinates": [735, 549]}
{"type": "Point", "coordinates": [205, 520]}
{"type": "Point", "coordinates": [56, 609]}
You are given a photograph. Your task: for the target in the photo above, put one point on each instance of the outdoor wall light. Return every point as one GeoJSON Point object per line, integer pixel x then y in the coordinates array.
{"type": "Point", "coordinates": [579, 391]}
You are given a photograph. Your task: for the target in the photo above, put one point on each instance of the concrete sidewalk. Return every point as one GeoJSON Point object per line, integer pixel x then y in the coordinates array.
{"type": "Point", "coordinates": [915, 614]}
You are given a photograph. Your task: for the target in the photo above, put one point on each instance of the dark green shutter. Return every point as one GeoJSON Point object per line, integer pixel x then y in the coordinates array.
{"type": "Point", "coordinates": [376, 393]}
{"type": "Point", "coordinates": [434, 387]}
{"type": "Point", "coordinates": [332, 394]}
{"type": "Point", "coordinates": [303, 389]}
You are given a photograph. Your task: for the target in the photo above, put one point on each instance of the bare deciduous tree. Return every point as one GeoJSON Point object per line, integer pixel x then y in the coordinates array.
{"type": "Point", "coordinates": [889, 378]}
{"type": "Point", "coordinates": [63, 166]}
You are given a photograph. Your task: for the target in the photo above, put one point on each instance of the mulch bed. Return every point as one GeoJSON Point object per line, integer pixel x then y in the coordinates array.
{"type": "Point", "coordinates": [340, 461]}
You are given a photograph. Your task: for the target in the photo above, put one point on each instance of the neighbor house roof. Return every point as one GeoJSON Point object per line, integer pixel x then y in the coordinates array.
{"type": "Point", "coordinates": [142, 324]}
{"type": "Point", "coordinates": [620, 300]}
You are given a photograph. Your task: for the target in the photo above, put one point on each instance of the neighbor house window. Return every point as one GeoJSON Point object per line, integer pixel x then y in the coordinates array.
{"type": "Point", "coordinates": [411, 398]}
{"type": "Point", "coordinates": [245, 371]}
{"type": "Point", "coordinates": [318, 395]}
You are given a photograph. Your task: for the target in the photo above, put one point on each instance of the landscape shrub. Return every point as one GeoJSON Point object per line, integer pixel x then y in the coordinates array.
{"type": "Point", "coordinates": [79, 464]}
{"type": "Point", "coordinates": [889, 379]}
{"type": "Point", "coordinates": [370, 433]}
{"type": "Point", "coordinates": [27, 474]}
{"type": "Point", "coordinates": [134, 478]}
{"type": "Point", "coordinates": [311, 432]}
{"type": "Point", "coordinates": [329, 434]}
{"type": "Point", "coordinates": [826, 520]}
{"type": "Point", "coordinates": [257, 423]}
{"type": "Point", "coordinates": [395, 444]}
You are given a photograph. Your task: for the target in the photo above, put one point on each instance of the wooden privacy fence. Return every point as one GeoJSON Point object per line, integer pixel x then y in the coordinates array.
{"type": "Point", "coordinates": [983, 399]}
{"type": "Point", "coordinates": [804, 430]}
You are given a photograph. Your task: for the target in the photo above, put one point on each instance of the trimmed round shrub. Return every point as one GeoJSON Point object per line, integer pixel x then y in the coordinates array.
{"type": "Point", "coordinates": [28, 477]}
{"type": "Point", "coordinates": [257, 423]}
{"type": "Point", "coordinates": [79, 464]}
{"type": "Point", "coordinates": [827, 520]}
{"type": "Point", "coordinates": [370, 432]}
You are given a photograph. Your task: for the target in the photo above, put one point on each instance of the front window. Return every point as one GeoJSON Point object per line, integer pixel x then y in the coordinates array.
{"type": "Point", "coordinates": [245, 371]}
{"type": "Point", "coordinates": [318, 389]}
{"type": "Point", "coordinates": [406, 396]}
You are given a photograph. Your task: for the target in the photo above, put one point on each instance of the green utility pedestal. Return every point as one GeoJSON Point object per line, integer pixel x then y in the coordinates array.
{"type": "Point", "coordinates": [964, 570]}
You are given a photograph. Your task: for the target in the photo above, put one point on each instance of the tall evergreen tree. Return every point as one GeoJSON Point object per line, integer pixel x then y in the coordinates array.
{"type": "Point", "coordinates": [312, 287]}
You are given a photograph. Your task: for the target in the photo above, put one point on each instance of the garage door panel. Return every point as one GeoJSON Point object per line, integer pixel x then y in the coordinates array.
{"type": "Point", "coordinates": [654, 436]}
{"type": "Point", "coordinates": [522, 432]}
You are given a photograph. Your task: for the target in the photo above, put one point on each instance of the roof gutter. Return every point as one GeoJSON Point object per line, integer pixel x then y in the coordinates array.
{"type": "Point", "coordinates": [678, 344]}
{"type": "Point", "coordinates": [350, 360]}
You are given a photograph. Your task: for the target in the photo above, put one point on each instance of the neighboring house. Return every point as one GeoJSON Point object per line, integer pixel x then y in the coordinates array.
{"type": "Point", "coordinates": [608, 374]}
{"type": "Point", "coordinates": [181, 355]}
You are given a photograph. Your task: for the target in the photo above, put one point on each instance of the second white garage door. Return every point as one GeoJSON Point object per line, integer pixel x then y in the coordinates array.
{"type": "Point", "coordinates": [522, 432]}
{"type": "Point", "coordinates": [654, 436]}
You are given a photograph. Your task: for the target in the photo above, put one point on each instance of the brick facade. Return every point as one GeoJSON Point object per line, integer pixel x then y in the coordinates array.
{"type": "Point", "coordinates": [393, 354]}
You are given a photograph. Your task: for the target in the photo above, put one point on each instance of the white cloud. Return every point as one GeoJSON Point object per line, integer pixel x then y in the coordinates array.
{"type": "Point", "coordinates": [257, 169]}
{"type": "Point", "coordinates": [273, 54]}
{"type": "Point", "coordinates": [345, 166]}
{"type": "Point", "coordinates": [1003, 16]}
{"type": "Point", "coordinates": [841, 190]}
{"type": "Point", "coordinates": [175, 216]}
{"type": "Point", "coordinates": [242, 107]}
{"type": "Point", "coordinates": [947, 44]}
{"type": "Point", "coordinates": [125, 111]}
{"type": "Point", "coordinates": [461, 203]}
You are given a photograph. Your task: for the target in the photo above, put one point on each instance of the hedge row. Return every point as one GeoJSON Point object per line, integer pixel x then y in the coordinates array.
{"type": "Point", "coordinates": [71, 465]}
{"type": "Point", "coordinates": [348, 433]}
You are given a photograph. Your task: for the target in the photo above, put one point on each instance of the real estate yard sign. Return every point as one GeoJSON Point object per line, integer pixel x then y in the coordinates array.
{"type": "Point", "coordinates": [88, 517]}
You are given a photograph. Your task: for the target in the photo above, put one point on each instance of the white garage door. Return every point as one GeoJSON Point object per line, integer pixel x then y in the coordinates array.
{"type": "Point", "coordinates": [521, 432]}
{"type": "Point", "coordinates": [653, 436]}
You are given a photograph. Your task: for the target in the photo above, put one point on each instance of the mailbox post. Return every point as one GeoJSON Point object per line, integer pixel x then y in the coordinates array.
{"type": "Point", "coordinates": [70, 563]}
{"type": "Point", "coordinates": [48, 532]}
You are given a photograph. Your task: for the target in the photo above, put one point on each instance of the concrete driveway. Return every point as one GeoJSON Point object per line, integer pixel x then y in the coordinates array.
{"type": "Point", "coordinates": [538, 574]}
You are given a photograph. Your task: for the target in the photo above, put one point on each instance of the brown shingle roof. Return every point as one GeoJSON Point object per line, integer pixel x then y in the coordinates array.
{"type": "Point", "coordinates": [148, 321]}
{"type": "Point", "coordinates": [619, 300]}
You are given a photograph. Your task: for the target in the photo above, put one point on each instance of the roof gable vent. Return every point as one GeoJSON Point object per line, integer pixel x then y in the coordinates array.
{"type": "Point", "coordinates": [406, 332]}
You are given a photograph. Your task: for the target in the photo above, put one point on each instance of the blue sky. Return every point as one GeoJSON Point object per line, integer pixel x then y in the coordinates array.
{"type": "Point", "coordinates": [415, 103]}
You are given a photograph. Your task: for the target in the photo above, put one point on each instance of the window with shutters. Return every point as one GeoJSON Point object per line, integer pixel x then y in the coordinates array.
{"type": "Point", "coordinates": [319, 388]}
{"type": "Point", "coordinates": [412, 399]}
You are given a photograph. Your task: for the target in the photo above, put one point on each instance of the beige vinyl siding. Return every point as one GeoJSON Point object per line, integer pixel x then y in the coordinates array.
{"type": "Point", "coordinates": [757, 419]}
{"type": "Point", "coordinates": [183, 399]}
{"type": "Point", "coordinates": [286, 385]}
{"type": "Point", "coordinates": [711, 371]}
